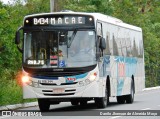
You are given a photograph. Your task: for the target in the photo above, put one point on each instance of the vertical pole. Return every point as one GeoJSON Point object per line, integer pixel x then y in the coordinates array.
{"type": "Point", "coordinates": [51, 5]}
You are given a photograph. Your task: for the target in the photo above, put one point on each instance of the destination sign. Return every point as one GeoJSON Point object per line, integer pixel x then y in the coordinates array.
{"type": "Point", "coordinates": [58, 20]}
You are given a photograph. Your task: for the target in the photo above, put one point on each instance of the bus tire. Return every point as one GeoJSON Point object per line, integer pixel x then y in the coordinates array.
{"type": "Point", "coordinates": [121, 99]}
{"type": "Point", "coordinates": [44, 105]}
{"type": "Point", "coordinates": [102, 102]}
{"type": "Point", "coordinates": [83, 102]}
{"type": "Point", "coordinates": [74, 102]}
{"type": "Point", "coordinates": [130, 97]}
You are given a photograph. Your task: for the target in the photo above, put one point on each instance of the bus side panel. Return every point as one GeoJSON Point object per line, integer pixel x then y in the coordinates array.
{"type": "Point", "coordinates": [125, 48]}
{"type": "Point", "coordinates": [140, 76]}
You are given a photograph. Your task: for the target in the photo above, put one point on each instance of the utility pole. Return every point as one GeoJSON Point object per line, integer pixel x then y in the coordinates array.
{"type": "Point", "coordinates": [51, 5]}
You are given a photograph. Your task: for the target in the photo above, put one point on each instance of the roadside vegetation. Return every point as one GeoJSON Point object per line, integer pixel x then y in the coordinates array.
{"type": "Point", "coordinates": [142, 13]}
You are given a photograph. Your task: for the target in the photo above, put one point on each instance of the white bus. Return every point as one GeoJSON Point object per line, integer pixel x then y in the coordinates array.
{"type": "Point", "coordinates": [77, 57]}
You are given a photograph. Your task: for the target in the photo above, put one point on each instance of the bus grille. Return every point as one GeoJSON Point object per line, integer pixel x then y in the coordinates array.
{"type": "Point", "coordinates": [63, 94]}
{"type": "Point", "coordinates": [67, 92]}
{"type": "Point", "coordinates": [54, 84]}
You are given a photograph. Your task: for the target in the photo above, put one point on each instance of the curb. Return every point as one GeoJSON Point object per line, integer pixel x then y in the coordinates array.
{"type": "Point", "coordinates": [152, 88]}
{"type": "Point", "coordinates": [32, 104]}
{"type": "Point", "coordinates": [12, 107]}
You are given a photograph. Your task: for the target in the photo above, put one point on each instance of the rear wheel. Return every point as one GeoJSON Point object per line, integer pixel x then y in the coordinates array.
{"type": "Point", "coordinates": [121, 99]}
{"type": "Point", "coordinates": [102, 102]}
{"type": "Point", "coordinates": [130, 97]}
{"type": "Point", "coordinates": [44, 105]}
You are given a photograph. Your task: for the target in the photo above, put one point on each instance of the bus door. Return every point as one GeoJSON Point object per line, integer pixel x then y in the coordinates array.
{"type": "Point", "coordinates": [99, 50]}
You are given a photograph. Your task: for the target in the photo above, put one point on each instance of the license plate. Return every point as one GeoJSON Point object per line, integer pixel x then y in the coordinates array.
{"type": "Point", "coordinates": [58, 90]}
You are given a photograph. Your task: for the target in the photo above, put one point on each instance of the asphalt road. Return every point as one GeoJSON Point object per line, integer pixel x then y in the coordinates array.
{"type": "Point", "coordinates": [144, 101]}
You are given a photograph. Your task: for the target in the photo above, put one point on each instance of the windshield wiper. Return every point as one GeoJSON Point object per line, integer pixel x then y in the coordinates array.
{"type": "Point", "coordinates": [71, 38]}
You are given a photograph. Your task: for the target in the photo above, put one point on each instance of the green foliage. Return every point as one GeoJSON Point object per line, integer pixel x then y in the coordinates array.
{"type": "Point", "coordinates": [11, 17]}
{"type": "Point", "coordinates": [102, 6]}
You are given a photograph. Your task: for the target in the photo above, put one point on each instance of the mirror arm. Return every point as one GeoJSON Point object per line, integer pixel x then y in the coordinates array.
{"type": "Point", "coordinates": [21, 27]}
{"type": "Point", "coordinates": [19, 49]}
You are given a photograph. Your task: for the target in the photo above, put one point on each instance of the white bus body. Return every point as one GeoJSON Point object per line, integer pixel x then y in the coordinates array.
{"type": "Point", "coordinates": [118, 71]}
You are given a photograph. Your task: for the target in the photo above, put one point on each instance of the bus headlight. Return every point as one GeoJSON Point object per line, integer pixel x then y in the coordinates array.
{"type": "Point", "coordinates": [26, 80]}
{"type": "Point", "coordinates": [81, 83]}
{"type": "Point", "coordinates": [87, 81]}
{"type": "Point", "coordinates": [35, 84]}
{"type": "Point", "coordinates": [92, 76]}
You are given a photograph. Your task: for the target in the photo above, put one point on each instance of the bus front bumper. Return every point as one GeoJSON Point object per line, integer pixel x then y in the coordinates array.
{"type": "Point", "coordinates": [93, 89]}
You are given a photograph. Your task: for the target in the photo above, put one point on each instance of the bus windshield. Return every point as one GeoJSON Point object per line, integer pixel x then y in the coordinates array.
{"type": "Point", "coordinates": [59, 49]}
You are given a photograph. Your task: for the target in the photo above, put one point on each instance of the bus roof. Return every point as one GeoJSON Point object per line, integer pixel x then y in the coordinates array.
{"type": "Point", "coordinates": [97, 16]}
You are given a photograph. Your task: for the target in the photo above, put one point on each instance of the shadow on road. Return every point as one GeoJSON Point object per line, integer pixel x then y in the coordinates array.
{"type": "Point", "coordinates": [88, 107]}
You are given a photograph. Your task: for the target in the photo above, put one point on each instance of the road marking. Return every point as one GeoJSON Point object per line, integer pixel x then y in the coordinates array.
{"type": "Point", "coordinates": [115, 117]}
{"type": "Point", "coordinates": [146, 109]}
{"type": "Point", "coordinates": [151, 88]}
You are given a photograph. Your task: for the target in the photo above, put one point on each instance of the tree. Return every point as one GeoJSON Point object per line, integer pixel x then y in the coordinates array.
{"type": "Point", "coordinates": [101, 6]}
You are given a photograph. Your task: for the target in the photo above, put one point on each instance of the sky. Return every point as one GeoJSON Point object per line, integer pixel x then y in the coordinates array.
{"type": "Point", "coordinates": [6, 1]}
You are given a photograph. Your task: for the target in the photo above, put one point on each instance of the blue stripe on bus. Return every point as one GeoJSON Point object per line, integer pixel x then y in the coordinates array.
{"type": "Point", "coordinates": [45, 77]}
{"type": "Point", "coordinates": [78, 76]}
{"type": "Point", "coordinates": [56, 78]}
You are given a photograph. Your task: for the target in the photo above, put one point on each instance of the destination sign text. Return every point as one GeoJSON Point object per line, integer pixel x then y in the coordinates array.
{"type": "Point", "coordinates": [59, 21]}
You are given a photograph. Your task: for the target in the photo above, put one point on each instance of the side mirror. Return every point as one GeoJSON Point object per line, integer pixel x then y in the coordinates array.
{"type": "Point", "coordinates": [18, 39]}
{"type": "Point", "coordinates": [102, 44]}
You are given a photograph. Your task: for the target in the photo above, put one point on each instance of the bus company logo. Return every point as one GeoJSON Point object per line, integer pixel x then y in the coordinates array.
{"type": "Point", "coordinates": [71, 79]}
{"type": "Point", "coordinates": [6, 113]}
{"type": "Point", "coordinates": [58, 69]}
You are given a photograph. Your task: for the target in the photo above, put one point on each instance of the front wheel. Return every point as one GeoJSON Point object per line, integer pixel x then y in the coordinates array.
{"type": "Point", "coordinates": [83, 102]}
{"type": "Point", "coordinates": [102, 102]}
{"type": "Point", "coordinates": [74, 102]}
{"type": "Point", "coordinates": [44, 105]}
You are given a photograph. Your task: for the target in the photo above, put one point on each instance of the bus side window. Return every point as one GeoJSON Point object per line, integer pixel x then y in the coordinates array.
{"type": "Point", "coordinates": [107, 50]}
{"type": "Point", "coordinates": [99, 29]}
{"type": "Point", "coordinates": [99, 36]}
{"type": "Point", "coordinates": [115, 47]}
